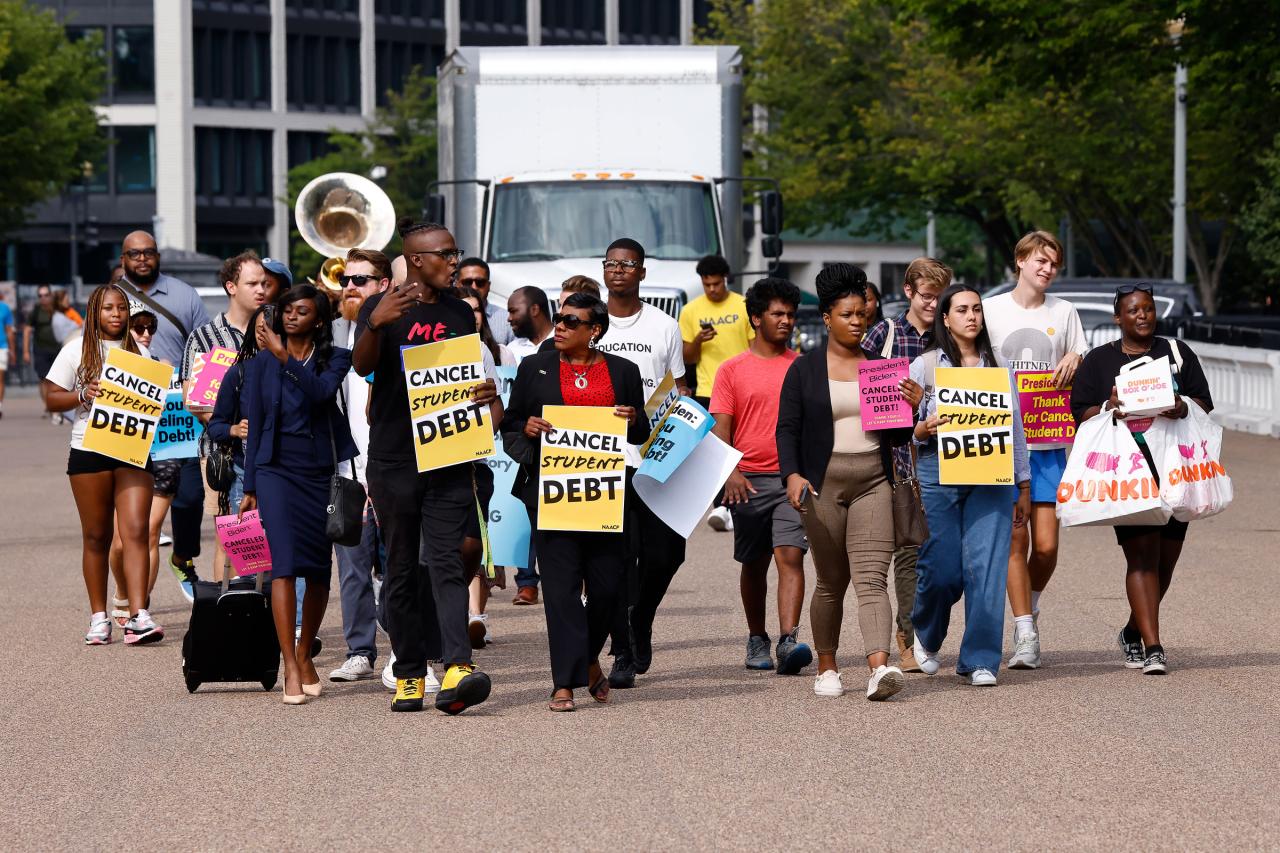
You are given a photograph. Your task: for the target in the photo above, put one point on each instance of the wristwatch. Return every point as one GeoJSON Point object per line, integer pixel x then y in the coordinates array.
{"type": "Point", "coordinates": [368, 324]}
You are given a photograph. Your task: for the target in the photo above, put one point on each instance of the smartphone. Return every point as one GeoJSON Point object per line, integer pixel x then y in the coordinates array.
{"type": "Point", "coordinates": [804, 495]}
{"type": "Point", "coordinates": [706, 324]}
{"type": "Point", "coordinates": [269, 315]}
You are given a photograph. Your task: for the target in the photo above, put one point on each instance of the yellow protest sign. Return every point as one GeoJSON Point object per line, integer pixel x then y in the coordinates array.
{"type": "Point", "coordinates": [582, 478]}
{"type": "Point", "coordinates": [448, 427]}
{"type": "Point", "coordinates": [130, 402]}
{"type": "Point", "coordinates": [660, 400]}
{"type": "Point", "coordinates": [975, 448]}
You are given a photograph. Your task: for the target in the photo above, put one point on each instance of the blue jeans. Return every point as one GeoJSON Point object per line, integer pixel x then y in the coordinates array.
{"type": "Point", "coordinates": [355, 580]}
{"type": "Point", "coordinates": [966, 554]}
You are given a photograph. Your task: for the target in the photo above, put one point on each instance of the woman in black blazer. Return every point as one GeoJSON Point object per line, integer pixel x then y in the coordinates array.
{"type": "Point", "coordinates": [296, 437]}
{"type": "Point", "coordinates": [575, 374]}
{"type": "Point", "coordinates": [838, 476]}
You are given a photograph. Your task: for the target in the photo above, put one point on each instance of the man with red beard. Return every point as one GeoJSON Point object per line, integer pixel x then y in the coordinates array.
{"type": "Point", "coordinates": [367, 272]}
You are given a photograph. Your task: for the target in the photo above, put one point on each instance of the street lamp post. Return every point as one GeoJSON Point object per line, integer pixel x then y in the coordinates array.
{"type": "Point", "coordinates": [1175, 28]}
{"type": "Point", "coordinates": [80, 209]}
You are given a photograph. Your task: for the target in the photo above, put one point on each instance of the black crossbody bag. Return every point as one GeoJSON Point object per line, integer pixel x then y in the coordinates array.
{"type": "Point", "coordinates": [344, 520]}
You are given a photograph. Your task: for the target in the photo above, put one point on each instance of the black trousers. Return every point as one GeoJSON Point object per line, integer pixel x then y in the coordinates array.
{"type": "Point", "coordinates": [576, 634]}
{"type": "Point", "coordinates": [425, 600]}
{"type": "Point", "coordinates": [188, 510]}
{"type": "Point", "coordinates": [654, 555]}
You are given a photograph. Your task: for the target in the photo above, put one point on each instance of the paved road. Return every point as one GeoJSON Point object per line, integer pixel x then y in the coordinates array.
{"type": "Point", "coordinates": [103, 747]}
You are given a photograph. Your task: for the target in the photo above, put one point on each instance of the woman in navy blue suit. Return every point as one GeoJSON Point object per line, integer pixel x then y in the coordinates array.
{"type": "Point", "coordinates": [296, 435]}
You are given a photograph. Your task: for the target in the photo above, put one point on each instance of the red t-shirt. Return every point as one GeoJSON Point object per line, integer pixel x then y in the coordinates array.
{"type": "Point", "coordinates": [599, 390]}
{"type": "Point", "coordinates": [749, 387]}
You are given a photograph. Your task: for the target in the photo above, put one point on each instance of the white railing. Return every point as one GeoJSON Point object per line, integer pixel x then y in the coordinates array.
{"type": "Point", "coordinates": [1245, 383]}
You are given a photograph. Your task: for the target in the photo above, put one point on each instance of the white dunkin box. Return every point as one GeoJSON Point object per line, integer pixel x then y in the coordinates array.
{"type": "Point", "coordinates": [1145, 387]}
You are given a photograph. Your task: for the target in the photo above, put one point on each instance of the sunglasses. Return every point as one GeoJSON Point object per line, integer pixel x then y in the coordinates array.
{"type": "Point", "coordinates": [446, 254]}
{"type": "Point", "coordinates": [144, 328]}
{"type": "Point", "coordinates": [1129, 289]}
{"type": "Point", "coordinates": [572, 322]}
{"type": "Point", "coordinates": [358, 280]}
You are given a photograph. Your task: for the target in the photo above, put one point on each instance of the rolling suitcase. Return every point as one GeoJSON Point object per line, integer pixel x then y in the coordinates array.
{"type": "Point", "coordinates": [231, 636]}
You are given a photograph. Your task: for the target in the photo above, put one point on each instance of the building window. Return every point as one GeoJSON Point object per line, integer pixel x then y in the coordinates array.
{"type": "Point", "coordinates": [234, 163]}
{"type": "Point", "coordinates": [135, 154]}
{"type": "Point", "coordinates": [323, 72]}
{"type": "Point", "coordinates": [572, 22]}
{"type": "Point", "coordinates": [135, 61]}
{"type": "Point", "coordinates": [649, 21]}
{"type": "Point", "coordinates": [231, 66]}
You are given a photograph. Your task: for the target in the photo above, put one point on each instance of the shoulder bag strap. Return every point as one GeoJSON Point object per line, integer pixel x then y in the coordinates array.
{"type": "Point", "coordinates": [886, 351]}
{"type": "Point", "coordinates": [133, 291]}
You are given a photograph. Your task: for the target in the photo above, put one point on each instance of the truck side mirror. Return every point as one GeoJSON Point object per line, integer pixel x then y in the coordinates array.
{"type": "Point", "coordinates": [433, 208]}
{"type": "Point", "coordinates": [771, 246]}
{"type": "Point", "coordinates": [771, 214]}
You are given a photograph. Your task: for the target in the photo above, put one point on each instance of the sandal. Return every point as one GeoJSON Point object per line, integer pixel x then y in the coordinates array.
{"type": "Point", "coordinates": [564, 703]}
{"type": "Point", "coordinates": [600, 690]}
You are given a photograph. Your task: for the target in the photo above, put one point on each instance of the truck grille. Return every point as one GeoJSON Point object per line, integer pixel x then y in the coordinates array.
{"type": "Point", "coordinates": [667, 304]}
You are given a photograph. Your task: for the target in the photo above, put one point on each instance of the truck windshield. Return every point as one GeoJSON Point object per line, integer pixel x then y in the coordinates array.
{"type": "Point", "coordinates": [579, 219]}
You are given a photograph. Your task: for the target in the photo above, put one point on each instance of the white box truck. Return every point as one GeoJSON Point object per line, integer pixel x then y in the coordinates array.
{"type": "Point", "coordinates": [549, 154]}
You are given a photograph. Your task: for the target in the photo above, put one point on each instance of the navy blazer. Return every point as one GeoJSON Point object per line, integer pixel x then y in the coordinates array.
{"type": "Point", "coordinates": [260, 403]}
{"type": "Point", "coordinates": [537, 384]}
{"type": "Point", "coordinates": [806, 433]}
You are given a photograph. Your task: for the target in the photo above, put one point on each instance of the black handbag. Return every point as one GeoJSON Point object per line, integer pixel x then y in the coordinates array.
{"type": "Point", "coordinates": [219, 467]}
{"type": "Point", "coordinates": [344, 522]}
{"type": "Point", "coordinates": [910, 527]}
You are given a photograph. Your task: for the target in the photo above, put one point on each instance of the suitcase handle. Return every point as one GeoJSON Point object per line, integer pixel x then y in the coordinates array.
{"type": "Point", "coordinates": [226, 578]}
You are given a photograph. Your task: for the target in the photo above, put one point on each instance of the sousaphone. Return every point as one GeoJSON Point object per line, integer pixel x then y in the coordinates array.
{"type": "Point", "coordinates": [340, 211]}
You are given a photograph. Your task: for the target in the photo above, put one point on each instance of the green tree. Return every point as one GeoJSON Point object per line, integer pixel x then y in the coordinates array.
{"type": "Point", "coordinates": [48, 87]}
{"type": "Point", "coordinates": [1261, 220]}
{"type": "Point", "coordinates": [401, 138]}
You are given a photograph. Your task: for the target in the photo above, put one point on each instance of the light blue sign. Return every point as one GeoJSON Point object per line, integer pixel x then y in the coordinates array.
{"type": "Point", "coordinates": [675, 437]}
{"type": "Point", "coordinates": [508, 518]}
{"type": "Point", "coordinates": [178, 434]}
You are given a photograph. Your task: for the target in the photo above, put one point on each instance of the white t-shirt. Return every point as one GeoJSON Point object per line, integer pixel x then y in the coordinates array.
{"type": "Point", "coordinates": [649, 339]}
{"type": "Point", "coordinates": [1033, 338]}
{"type": "Point", "coordinates": [63, 374]}
{"type": "Point", "coordinates": [522, 348]}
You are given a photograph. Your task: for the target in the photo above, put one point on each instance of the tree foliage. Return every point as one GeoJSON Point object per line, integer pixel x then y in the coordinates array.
{"type": "Point", "coordinates": [1013, 115]}
{"type": "Point", "coordinates": [401, 138]}
{"type": "Point", "coordinates": [48, 86]}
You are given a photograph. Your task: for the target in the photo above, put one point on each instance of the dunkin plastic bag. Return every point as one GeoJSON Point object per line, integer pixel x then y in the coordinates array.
{"type": "Point", "coordinates": [1107, 480]}
{"type": "Point", "coordinates": [1188, 455]}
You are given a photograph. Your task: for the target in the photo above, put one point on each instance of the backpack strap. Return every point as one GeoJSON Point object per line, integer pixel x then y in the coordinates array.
{"type": "Point", "coordinates": [886, 351]}
{"type": "Point", "coordinates": [1175, 346]}
{"type": "Point", "coordinates": [930, 368]}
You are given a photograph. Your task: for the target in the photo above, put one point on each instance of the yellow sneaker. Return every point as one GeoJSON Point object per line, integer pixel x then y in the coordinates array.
{"type": "Point", "coordinates": [408, 695]}
{"type": "Point", "coordinates": [461, 688]}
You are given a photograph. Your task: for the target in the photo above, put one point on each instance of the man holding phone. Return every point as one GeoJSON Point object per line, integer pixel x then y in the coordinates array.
{"type": "Point", "coordinates": [714, 328]}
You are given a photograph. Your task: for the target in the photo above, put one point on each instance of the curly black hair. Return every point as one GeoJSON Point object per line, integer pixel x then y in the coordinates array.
{"type": "Point", "coordinates": [764, 291]}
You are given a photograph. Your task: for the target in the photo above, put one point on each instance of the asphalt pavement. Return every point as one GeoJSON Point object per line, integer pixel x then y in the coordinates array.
{"type": "Point", "coordinates": [104, 748]}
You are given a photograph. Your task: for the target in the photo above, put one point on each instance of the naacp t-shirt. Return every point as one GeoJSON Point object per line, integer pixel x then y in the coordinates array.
{"type": "Point", "coordinates": [733, 332]}
{"type": "Point", "coordinates": [390, 428]}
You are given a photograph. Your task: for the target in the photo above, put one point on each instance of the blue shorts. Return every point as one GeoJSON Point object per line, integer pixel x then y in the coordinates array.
{"type": "Point", "coordinates": [1046, 473]}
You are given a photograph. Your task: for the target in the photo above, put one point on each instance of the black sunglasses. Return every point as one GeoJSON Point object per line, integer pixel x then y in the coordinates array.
{"type": "Point", "coordinates": [144, 328]}
{"type": "Point", "coordinates": [569, 321]}
{"type": "Point", "coordinates": [1129, 289]}
{"type": "Point", "coordinates": [357, 280]}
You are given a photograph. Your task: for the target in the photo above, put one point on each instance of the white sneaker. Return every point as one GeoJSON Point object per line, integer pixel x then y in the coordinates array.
{"type": "Point", "coordinates": [430, 684]}
{"type": "Point", "coordinates": [982, 678]}
{"type": "Point", "coordinates": [928, 661]}
{"type": "Point", "coordinates": [720, 519]}
{"type": "Point", "coordinates": [884, 682]}
{"type": "Point", "coordinates": [165, 539]}
{"type": "Point", "coordinates": [828, 684]}
{"type": "Point", "coordinates": [1026, 652]}
{"type": "Point", "coordinates": [99, 630]}
{"type": "Point", "coordinates": [389, 677]}
{"type": "Point", "coordinates": [354, 668]}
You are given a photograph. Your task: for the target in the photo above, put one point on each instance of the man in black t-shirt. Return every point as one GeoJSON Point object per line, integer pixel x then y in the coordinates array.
{"type": "Point", "coordinates": [425, 603]}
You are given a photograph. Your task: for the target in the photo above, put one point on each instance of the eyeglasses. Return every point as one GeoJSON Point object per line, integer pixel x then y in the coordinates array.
{"type": "Point", "coordinates": [613, 264]}
{"type": "Point", "coordinates": [446, 254]}
{"type": "Point", "coordinates": [572, 322]}
{"type": "Point", "coordinates": [136, 254]}
{"type": "Point", "coordinates": [144, 328]}
{"type": "Point", "coordinates": [358, 280]}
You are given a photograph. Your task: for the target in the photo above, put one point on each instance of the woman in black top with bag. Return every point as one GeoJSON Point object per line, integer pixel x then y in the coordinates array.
{"type": "Point", "coordinates": [296, 437]}
{"type": "Point", "coordinates": [1150, 552]}
{"type": "Point", "coordinates": [574, 374]}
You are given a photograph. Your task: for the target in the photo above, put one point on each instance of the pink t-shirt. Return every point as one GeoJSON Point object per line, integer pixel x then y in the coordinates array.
{"type": "Point", "coordinates": [749, 387]}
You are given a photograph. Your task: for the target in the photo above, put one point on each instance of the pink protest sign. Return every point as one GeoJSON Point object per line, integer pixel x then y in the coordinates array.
{"type": "Point", "coordinates": [245, 542]}
{"type": "Point", "coordinates": [1046, 409]}
{"type": "Point", "coordinates": [882, 405]}
{"type": "Point", "coordinates": [207, 371]}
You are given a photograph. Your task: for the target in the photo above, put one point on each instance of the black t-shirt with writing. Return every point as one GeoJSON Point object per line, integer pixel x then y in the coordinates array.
{"type": "Point", "coordinates": [390, 428]}
{"type": "Point", "coordinates": [1097, 374]}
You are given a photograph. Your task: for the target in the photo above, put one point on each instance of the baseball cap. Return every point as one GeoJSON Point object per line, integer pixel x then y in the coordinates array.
{"type": "Point", "coordinates": [276, 267]}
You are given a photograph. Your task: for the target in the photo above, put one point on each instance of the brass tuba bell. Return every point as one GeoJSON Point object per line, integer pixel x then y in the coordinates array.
{"type": "Point", "coordinates": [340, 211]}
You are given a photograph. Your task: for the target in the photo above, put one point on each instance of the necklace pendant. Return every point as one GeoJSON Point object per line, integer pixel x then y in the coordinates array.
{"type": "Point", "coordinates": [580, 382]}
